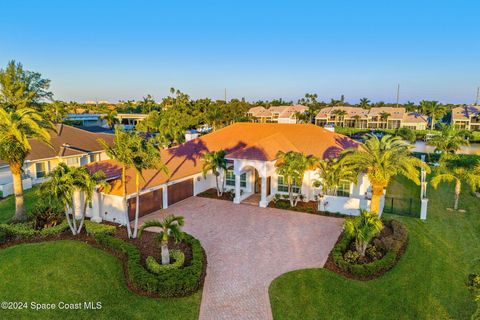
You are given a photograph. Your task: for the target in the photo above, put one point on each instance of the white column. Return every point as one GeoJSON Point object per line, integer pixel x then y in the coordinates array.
{"type": "Point", "coordinates": [423, 210]}
{"type": "Point", "coordinates": [97, 214]}
{"type": "Point", "coordinates": [165, 197]}
{"type": "Point", "coordinates": [237, 189]}
{"type": "Point", "coordinates": [77, 205]}
{"type": "Point", "coordinates": [263, 200]}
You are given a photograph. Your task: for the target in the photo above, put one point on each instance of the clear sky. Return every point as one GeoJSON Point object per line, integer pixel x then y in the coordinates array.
{"type": "Point", "coordinates": [111, 50]}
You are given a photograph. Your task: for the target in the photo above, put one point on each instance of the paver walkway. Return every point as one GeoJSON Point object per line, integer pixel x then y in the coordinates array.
{"type": "Point", "coordinates": [247, 247]}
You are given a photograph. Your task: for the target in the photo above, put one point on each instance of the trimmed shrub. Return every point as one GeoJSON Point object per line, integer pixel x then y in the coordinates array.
{"type": "Point", "coordinates": [95, 228]}
{"type": "Point", "coordinates": [25, 230]}
{"type": "Point", "coordinates": [393, 243]}
{"type": "Point", "coordinates": [59, 228]}
{"type": "Point", "coordinates": [155, 267]}
{"type": "Point", "coordinates": [174, 283]}
{"type": "Point", "coordinates": [3, 236]}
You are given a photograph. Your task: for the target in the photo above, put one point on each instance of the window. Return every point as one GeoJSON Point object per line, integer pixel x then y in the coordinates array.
{"type": "Point", "coordinates": [230, 179]}
{"type": "Point", "coordinates": [40, 169]}
{"type": "Point", "coordinates": [93, 157]}
{"type": "Point", "coordinates": [283, 186]}
{"type": "Point", "coordinates": [344, 188]}
{"type": "Point", "coordinates": [72, 161]}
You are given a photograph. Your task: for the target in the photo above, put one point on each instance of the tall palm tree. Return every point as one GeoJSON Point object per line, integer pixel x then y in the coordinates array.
{"type": "Point", "coordinates": [213, 116]}
{"type": "Point", "coordinates": [292, 166]}
{"type": "Point", "coordinates": [364, 103]}
{"type": "Point", "coordinates": [145, 156]}
{"type": "Point", "coordinates": [16, 128]}
{"type": "Point", "coordinates": [433, 109]}
{"type": "Point", "coordinates": [363, 229]}
{"type": "Point", "coordinates": [332, 173]}
{"type": "Point", "coordinates": [111, 119]}
{"type": "Point", "coordinates": [65, 186]}
{"type": "Point", "coordinates": [449, 172]}
{"type": "Point", "coordinates": [382, 159]}
{"type": "Point", "coordinates": [120, 151]}
{"type": "Point", "coordinates": [170, 227]}
{"type": "Point", "coordinates": [215, 161]}
{"type": "Point", "coordinates": [449, 141]}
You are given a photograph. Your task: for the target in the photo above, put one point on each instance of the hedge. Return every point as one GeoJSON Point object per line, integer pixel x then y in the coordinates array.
{"type": "Point", "coordinates": [94, 228]}
{"type": "Point", "coordinates": [155, 267]}
{"type": "Point", "coordinates": [393, 244]}
{"type": "Point", "coordinates": [24, 230]}
{"type": "Point", "coordinates": [174, 283]}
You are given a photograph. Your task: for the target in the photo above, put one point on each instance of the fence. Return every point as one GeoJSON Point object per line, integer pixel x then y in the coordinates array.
{"type": "Point", "coordinates": [403, 206]}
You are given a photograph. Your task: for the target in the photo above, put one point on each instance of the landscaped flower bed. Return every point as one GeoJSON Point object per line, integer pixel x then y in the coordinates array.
{"type": "Point", "coordinates": [175, 280]}
{"type": "Point", "coordinates": [212, 194]}
{"type": "Point", "coordinates": [381, 255]}
{"type": "Point", "coordinates": [302, 206]}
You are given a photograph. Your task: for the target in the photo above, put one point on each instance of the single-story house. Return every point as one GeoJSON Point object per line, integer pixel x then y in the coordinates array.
{"type": "Point", "coordinates": [70, 145]}
{"type": "Point", "coordinates": [251, 150]}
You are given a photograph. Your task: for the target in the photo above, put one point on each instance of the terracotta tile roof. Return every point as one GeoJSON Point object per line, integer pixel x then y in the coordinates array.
{"type": "Point", "coordinates": [351, 112]}
{"type": "Point", "coordinates": [465, 113]}
{"type": "Point", "coordinates": [255, 141]}
{"type": "Point", "coordinates": [254, 110]}
{"type": "Point", "coordinates": [395, 113]}
{"type": "Point", "coordinates": [290, 111]}
{"type": "Point", "coordinates": [67, 141]}
{"type": "Point", "coordinates": [414, 117]}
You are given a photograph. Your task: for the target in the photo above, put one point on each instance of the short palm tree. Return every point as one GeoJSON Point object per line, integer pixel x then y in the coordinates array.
{"type": "Point", "coordinates": [292, 166]}
{"type": "Point", "coordinates": [170, 227]}
{"type": "Point", "coordinates": [356, 119]}
{"type": "Point", "coordinates": [339, 114]}
{"type": "Point", "coordinates": [65, 186]}
{"type": "Point", "coordinates": [433, 109]}
{"type": "Point", "coordinates": [364, 103]}
{"type": "Point", "coordinates": [382, 159]}
{"type": "Point", "coordinates": [110, 118]}
{"type": "Point", "coordinates": [332, 173]}
{"type": "Point", "coordinates": [215, 161]}
{"type": "Point", "coordinates": [384, 117]}
{"type": "Point", "coordinates": [16, 128]}
{"type": "Point", "coordinates": [449, 141]}
{"type": "Point", "coordinates": [449, 172]}
{"type": "Point", "coordinates": [121, 151]}
{"type": "Point", "coordinates": [145, 156]}
{"type": "Point", "coordinates": [363, 229]}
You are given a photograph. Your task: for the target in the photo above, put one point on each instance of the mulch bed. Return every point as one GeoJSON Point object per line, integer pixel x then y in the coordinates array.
{"type": "Point", "coordinates": [147, 246]}
{"type": "Point", "coordinates": [212, 194]}
{"type": "Point", "coordinates": [304, 206]}
{"type": "Point", "coordinates": [330, 264]}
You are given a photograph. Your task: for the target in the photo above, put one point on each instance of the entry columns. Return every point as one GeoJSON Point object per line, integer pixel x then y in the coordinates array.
{"type": "Point", "coordinates": [263, 200]}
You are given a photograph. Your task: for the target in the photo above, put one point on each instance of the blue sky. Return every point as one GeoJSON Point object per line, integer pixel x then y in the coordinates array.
{"type": "Point", "coordinates": [111, 50]}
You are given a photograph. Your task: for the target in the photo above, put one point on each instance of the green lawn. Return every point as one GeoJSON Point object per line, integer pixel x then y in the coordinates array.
{"type": "Point", "coordinates": [427, 283]}
{"type": "Point", "coordinates": [73, 272]}
{"type": "Point", "coordinates": [7, 205]}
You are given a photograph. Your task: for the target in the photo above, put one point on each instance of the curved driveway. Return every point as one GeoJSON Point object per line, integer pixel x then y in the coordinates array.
{"type": "Point", "coordinates": [247, 248]}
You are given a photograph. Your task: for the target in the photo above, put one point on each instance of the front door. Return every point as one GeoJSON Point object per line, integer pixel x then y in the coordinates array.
{"type": "Point", "coordinates": [258, 183]}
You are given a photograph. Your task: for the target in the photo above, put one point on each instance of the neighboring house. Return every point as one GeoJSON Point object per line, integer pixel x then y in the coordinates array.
{"type": "Point", "coordinates": [278, 114]}
{"type": "Point", "coordinates": [128, 120]}
{"type": "Point", "coordinates": [374, 118]}
{"type": "Point", "coordinates": [70, 145]}
{"type": "Point", "coordinates": [251, 150]}
{"type": "Point", "coordinates": [467, 117]}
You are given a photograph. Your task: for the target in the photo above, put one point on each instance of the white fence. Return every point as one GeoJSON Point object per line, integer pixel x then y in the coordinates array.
{"type": "Point", "coordinates": [7, 188]}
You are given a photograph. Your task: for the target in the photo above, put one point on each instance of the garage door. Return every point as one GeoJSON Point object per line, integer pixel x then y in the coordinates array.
{"type": "Point", "coordinates": [179, 191]}
{"type": "Point", "coordinates": [149, 202]}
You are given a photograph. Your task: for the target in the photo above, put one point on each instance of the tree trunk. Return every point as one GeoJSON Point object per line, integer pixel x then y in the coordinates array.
{"type": "Point", "coordinates": [218, 187]}
{"type": "Point", "coordinates": [432, 125]}
{"type": "Point", "coordinates": [127, 219]}
{"type": "Point", "coordinates": [361, 247]}
{"type": "Point", "coordinates": [165, 253]}
{"type": "Point", "coordinates": [16, 169]}
{"type": "Point", "coordinates": [67, 215]}
{"type": "Point", "coordinates": [457, 194]}
{"type": "Point", "coordinates": [290, 194]}
{"type": "Point", "coordinates": [137, 205]}
{"type": "Point", "coordinates": [376, 197]}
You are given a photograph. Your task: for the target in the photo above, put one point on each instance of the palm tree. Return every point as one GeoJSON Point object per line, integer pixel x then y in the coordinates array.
{"type": "Point", "coordinates": [170, 227]}
{"type": "Point", "coordinates": [292, 166]}
{"type": "Point", "coordinates": [16, 128]}
{"type": "Point", "coordinates": [363, 229]}
{"type": "Point", "coordinates": [65, 186]}
{"type": "Point", "coordinates": [340, 114]}
{"type": "Point", "coordinates": [384, 117]}
{"type": "Point", "coordinates": [356, 118]}
{"type": "Point", "coordinates": [410, 106]}
{"type": "Point", "coordinates": [332, 173]}
{"type": "Point", "coordinates": [110, 118]}
{"type": "Point", "coordinates": [120, 151]}
{"type": "Point", "coordinates": [215, 161]}
{"type": "Point", "coordinates": [433, 109]}
{"type": "Point", "coordinates": [449, 141]}
{"type": "Point", "coordinates": [145, 156]}
{"type": "Point", "coordinates": [213, 116]}
{"type": "Point", "coordinates": [382, 159]}
{"type": "Point", "coordinates": [449, 172]}
{"type": "Point", "coordinates": [364, 103]}
{"type": "Point", "coordinates": [335, 103]}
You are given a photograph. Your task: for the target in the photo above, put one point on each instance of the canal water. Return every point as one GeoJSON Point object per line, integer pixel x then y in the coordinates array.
{"type": "Point", "coordinates": [421, 146]}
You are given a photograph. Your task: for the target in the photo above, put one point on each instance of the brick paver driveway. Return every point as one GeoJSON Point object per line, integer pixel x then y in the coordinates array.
{"type": "Point", "coordinates": [247, 247]}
